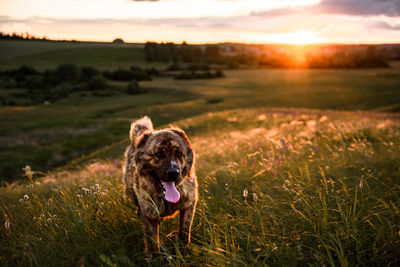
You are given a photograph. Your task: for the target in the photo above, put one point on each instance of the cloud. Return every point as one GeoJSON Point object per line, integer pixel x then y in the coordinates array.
{"type": "Point", "coordinates": [197, 23]}
{"type": "Point", "coordinates": [386, 26]}
{"type": "Point", "coordinates": [390, 8]}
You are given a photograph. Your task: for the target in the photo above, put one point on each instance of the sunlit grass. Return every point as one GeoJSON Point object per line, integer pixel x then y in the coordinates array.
{"type": "Point", "coordinates": [277, 187]}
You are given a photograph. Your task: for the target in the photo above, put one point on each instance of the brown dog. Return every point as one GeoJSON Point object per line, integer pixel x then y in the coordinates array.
{"type": "Point", "coordinates": [159, 176]}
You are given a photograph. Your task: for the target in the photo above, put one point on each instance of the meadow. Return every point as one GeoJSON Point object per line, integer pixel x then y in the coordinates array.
{"type": "Point", "coordinates": [295, 167]}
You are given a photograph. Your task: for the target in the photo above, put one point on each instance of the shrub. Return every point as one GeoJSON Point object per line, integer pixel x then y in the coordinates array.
{"type": "Point", "coordinates": [127, 75]}
{"type": "Point", "coordinates": [88, 73]}
{"type": "Point", "coordinates": [61, 91]}
{"type": "Point", "coordinates": [194, 67]}
{"type": "Point", "coordinates": [68, 72]}
{"type": "Point", "coordinates": [118, 41]}
{"type": "Point", "coordinates": [152, 72]}
{"type": "Point", "coordinates": [97, 83]}
{"type": "Point", "coordinates": [34, 82]}
{"type": "Point", "coordinates": [8, 82]}
{"type": "Point", "coordinates": [219, 74]}
{"type": "Point", "coordinates": [133, 88]}
{"type": "Point", "coordinates": [203, 75]}
{"type": "Point", "coordinates": [174, 67]}
{"type": "Point", "coordinates": [23, 70]}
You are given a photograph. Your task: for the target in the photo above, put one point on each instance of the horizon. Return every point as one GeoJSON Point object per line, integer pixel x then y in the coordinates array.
{"type": "Point", "coordinates": [299, 22]}
{"type": "Point", "coordinates": [30, 37]}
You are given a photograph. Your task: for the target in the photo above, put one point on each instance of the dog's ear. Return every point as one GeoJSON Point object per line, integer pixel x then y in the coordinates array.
{"type": "Point", "coordinates": [139, 127]}
{"type": "Point", "coordinates": [190, 153]}
{"type": "Point", "coordinates": [141, 140]}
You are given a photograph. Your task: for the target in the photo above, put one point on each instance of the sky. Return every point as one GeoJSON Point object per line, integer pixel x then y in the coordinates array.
{"type": "Point", "coordinates": [206, 21]}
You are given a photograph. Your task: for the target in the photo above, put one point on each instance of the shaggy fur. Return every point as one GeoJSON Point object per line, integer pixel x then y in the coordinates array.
{"type": "Point", "coordinates": [152, 159]}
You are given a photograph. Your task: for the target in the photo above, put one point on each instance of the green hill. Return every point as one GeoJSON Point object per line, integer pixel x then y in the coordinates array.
{"type": "Point", "coordinates": [48, 136]}
{"type": "Point", "coordinates": [45, 54]}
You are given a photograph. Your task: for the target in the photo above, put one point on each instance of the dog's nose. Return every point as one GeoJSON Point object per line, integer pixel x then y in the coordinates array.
{"type": "Point", "coordinates": [173, 173]}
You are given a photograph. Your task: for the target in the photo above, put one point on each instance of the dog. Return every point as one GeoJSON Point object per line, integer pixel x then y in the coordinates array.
{"type": "Point", "coordinates": [159, 176]}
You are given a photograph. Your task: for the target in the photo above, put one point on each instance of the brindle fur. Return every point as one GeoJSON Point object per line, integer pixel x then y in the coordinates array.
{"type": "Point", "coordinates": [144, 167]}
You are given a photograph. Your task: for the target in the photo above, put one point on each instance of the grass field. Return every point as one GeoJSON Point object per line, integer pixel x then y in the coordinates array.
{"type": "Point", "coordinates": [277, 187]}
{"type": "Point", "coordinates": [295, 167]}
{"type": "Point", "coordinates": [48, 55]}
{"type": "Point", "coordinates": [47, 136]}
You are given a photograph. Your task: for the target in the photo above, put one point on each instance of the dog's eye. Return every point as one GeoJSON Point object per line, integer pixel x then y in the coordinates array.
{"type": "Point", "coordinates": [179, 154]}
{"type": "Point", "coordinates": [159, 154]}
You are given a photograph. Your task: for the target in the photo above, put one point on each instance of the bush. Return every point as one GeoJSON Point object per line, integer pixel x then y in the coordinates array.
{"type": "Point", "coordinates": [8, 82]}
{"type": "Point", "coordinates": [203, 75]}
{"type": "Point", "coordinates": [194, 67]}
{"type": "Point", "coordinates": [61, 91]}
{"type": "Point", "coordinates": [219, 74]}
{"type": "Point", "coordinates": [174, 67]}
{"type": "Point", "coordinates": [127, 75]}
{"type": "Point", "coordinates": [23, 70]}
{"type": "Point", "coordinates": [97, 83]}
{"type": "Point", "coordinates": [34, 82]}
{"type": "Point", "coordinates": [133, 88]}
{"type": "Point", "coordinates": [68, 72]}
{"type": "Point", "coordinates": [88, 73]}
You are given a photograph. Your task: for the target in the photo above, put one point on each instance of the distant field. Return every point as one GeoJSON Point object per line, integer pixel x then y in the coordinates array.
{"type": "Point", "coordinates": [366, 89]}
{"type": "Point", "coordinates": [46, 55]}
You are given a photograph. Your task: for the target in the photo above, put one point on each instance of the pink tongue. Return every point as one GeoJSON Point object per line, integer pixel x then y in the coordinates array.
{"type": "Point", "coordinates": [171, 194]}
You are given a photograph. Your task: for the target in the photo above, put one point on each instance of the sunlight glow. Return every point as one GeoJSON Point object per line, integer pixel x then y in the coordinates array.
{"type": "Point", "coordinates": [300, 38]}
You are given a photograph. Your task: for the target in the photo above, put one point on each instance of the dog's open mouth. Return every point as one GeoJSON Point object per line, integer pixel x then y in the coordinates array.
{"type": "Point", "coordinates": [170, 192]}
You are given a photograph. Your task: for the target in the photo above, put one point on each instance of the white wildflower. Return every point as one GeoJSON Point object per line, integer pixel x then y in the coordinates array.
{"type": "Point", "coordinates": [49, 220]}
{"type": "Point", "coordinates": [255, 197]}
{"type": "Point", "coordinates": [285, 187]}
{"type": "Point", "coordinates": [245, 192]}
{"type": "Point", "coordinates": [26, 197]}
{"type": "Point", "coordinates": [7, 225]}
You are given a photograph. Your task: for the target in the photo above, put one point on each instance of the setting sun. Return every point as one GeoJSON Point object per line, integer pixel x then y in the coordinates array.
{"type": "Point", "coordinates": [300, 38]}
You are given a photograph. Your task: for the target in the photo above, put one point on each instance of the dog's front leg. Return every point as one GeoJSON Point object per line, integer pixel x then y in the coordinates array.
{"type": "Point", "coordinates": [151, 229]}
{"type": "Point", "coordinates": [185, 223]}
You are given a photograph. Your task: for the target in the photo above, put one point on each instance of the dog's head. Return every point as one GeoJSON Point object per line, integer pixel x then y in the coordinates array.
{"type": "Point", "coordinates": [166, 156]}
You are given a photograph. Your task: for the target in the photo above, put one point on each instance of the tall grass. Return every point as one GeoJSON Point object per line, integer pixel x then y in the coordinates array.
{"type": "Point", "coordinates": [276, 188]}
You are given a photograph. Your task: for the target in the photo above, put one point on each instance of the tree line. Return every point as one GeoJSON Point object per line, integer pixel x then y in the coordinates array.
{"type": "Point", "coordinates": [235, 55]}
